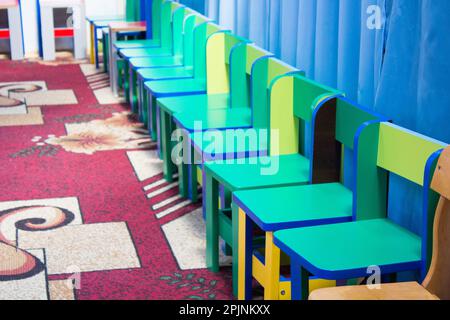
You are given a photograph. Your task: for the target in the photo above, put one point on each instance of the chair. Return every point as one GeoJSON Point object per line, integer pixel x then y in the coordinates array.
{"type": "Point", "coordinates": [229, 62]}
{"type": "Point", "coordinates": [348, 250]}
{"type": "Point", "coordinates": [172, 17]}
{"type": "Point", "coordinates": [138, 76]}
{"type": "Point", "coordinates": [153, 34]}
{"type": "Point", "coordinates": [271, 80]}
{"type": "Point", "coordinates": [210, 43]}
{"type": "Point", "coordinates": [132, 13]}
{"type": "Point", "coordinates": [335, 122]}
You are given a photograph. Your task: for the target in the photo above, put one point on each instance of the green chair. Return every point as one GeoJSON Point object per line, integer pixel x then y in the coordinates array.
{"type": "Point", "coordinates": [138, 76]}
{"type": "Point", "coordinates": [229, 64]}
{"type": "Point", "coordinates": [272, 98]}
{"type": "Point", "coordinates": [212, 50]}
{"type": "Point", "coordinates": [349, 250]}
{"type": "Point", "coordinates": [168, 54]}
{"type": "Point", "coordinates": [335, 123]}
{"type": "Point", "coordinates": [155, 40]}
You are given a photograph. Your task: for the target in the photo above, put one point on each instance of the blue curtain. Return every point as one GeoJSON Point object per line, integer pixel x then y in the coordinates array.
{"type": "Point", "coordinates": [389, 55]}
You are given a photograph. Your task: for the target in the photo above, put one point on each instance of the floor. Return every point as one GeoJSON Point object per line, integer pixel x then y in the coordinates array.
{"type": "Point", "coordinates": [84, 210]}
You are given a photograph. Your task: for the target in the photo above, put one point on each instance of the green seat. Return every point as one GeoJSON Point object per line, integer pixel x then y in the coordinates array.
{"type": "Point", "coordinates": [135, 44]}
{"type": "Point", "coordinates": [177, 87]}
{"type": "Point", "coordinates": [215, 119]}
{"type": "Point", "coordinates": [297, 206]}
{"type": "Point", "coordinates": [166, 73]}
{"type": "Point", "coordinates": [237, 176]}
{"type": "Point", "coordinates": [202, 103]}
{"type": "Point", "coordinates": [348, 250]}
{"type": "Point", "coordinates": [352, 246]}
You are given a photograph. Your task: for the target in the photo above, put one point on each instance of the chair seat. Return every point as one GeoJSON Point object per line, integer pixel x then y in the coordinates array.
{"type": "Point", "coordinates": [292, 169]}
{"type": "Point", "coordinates": [220, 119]}
{"type": "Point", "coordinates": [137, 44]}
{"type": "Point", "coordinates": [197, 104]}
{"type": "Point", "coordinates": [390, 291]}
{"type": "Point", "coordinates": [242, 147]}
{"type": "Point", "coordinates": [156, 62]}
{"type": "Point", "coordinates": [145, 52]}
{"type": "Point", "coordinates": [297, 206]}
{"type": "Point", "coordinates": [176, 87]}
{"type": "Point", "coordinates": [345, 251]}
{"type": "Point", "coordinates": [166, 73]}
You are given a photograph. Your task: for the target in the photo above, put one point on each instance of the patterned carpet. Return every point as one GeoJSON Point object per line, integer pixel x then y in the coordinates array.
{"type": "Point", "coordinates": [84, 210]}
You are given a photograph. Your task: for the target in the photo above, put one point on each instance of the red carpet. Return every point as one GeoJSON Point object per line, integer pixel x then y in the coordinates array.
{"type": "Point", "coordinates": [76, 207]}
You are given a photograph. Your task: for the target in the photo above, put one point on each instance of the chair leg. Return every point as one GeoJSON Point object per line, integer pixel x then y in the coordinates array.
{"type": "Point", "coordinates": [245, 254]}
{"type": "Point", "coordinates": [133, 88]}
{"type": "Point", "coordinates": [151, 115]}
{"type": "Point", "coordinates": [126, 81]}
{"type": "Point", "coordinates": [299, 281]}
{"type": "Point", "coordinates": [272, 267]}
{"type": "Point", "coordinates": [235, 246]}
{"type": "Point", "coordinates": [92, 44]}
{"type": "Point", "coordinates": [212, 223]}
{"type": "Point", "coordinates": [166, 143]}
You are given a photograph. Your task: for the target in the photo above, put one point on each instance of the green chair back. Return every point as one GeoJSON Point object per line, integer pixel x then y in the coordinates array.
{"type": "Point", "coordinates": [243, 57]}
{"type": "Point", "coordinates": [191, 21]}
{"type": "Point", "coordinates": [218, 60]}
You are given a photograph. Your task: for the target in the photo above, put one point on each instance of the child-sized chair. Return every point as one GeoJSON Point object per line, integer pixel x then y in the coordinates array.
{"type": "Point", "coordinates": [152, 15]}
{"type": "Point", "coordinates": [120, 57]}
{"type": "Point", "coordinates": [349, 250]}
{"type": "Point", "coordinates": [96, 23]}
{"type": "Point", "coordinates": [210, 44]}
{"type": "Point", "coordinates": [335, 123]}
{"type": "Point", "coordinates": [273, 100]}
{"type": "Point", "coordinates": [185, 46]}
{"type": "Point", "coordinates": [228, 68]}
{"type": "Point", "coordinates": [437, 282]}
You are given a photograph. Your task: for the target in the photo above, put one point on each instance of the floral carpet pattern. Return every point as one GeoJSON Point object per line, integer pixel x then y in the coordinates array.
{"type": "Point", "coordinates": [85, 212]}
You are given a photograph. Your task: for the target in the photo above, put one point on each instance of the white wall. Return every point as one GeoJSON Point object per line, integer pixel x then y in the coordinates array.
{"type": "Point", "coordinates": [93, 8]}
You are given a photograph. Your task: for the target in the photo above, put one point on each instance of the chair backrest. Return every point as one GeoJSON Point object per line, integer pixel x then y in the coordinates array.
{"type": "Point", "coordinates": [292, 98]}
{"type": "Point", "coordinates": [191, 21]}
{"type": "Point", "coordinates": [201, 34]}
{"type": "Point", "coordinates": [151, 13]}
{"type": "Point", "coordinates": [438, 278]}
{"type": "Point", "coordinates": [178, 19]}
{"type": "Point", "coordinates": [265, 72]}
{"type": "Point", "coordinates": [218, 58]}
{"type": "Point", "coordinates": [133, 10]}
{"type": "Point", "coordinates": [243, 57]}
{"type": "Point", "coordinates": [168, 8]}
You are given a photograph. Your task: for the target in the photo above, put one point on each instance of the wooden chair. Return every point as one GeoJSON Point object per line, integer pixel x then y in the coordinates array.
{"type": "Point", "coordinates": [335, 123]}
{"type": "Point", "coordinates": [437, 282]}
{"type": "Point", "coordinates": [227, 103]}
{"type": "Point", "coordinates": [271, 79]}
{"type": "Point", "coordinates": [169, 51]}
{"type": "Point", "coordinates": [347, 250]}
{"type": "Point", "coordinates": [196, 85]}
{"type": "Point", "coordinates": [140, 75]}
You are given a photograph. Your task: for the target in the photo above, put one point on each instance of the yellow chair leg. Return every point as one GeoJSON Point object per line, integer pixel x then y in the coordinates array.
{"type": "Point", "coordinates": [272, 262]}
{"type": "Point", "coordinates": [241, 255]}
{"type": "Point", "coordinates": [92, 45]}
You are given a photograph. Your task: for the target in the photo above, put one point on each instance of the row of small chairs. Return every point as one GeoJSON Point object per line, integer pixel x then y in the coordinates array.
{"type": "Point", "coordinates": [323, 211]}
